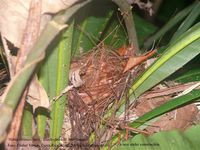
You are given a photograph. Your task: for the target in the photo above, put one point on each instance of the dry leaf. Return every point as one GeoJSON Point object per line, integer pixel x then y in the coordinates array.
{"type": "Point", "coordinates": [37, 96]}
{"type": "Point", "coordinates": [14, 14]}
{"type": "Point", "coordinates": [134, 61]}
{"type": "Point", "coordinates": [29, 37]}
{"type": "Point", "coordinates": [180, 118]}
{"type": "Point", "coordinates": [30, 34]}
{"type": "Point", "coordinates": [127, 51]}
{"type": "Point", "coordinates": [53, 6]}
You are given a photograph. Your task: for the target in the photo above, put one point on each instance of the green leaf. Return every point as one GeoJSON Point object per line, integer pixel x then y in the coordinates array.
{"type": "Point", "coordinates": [62, 61]}
{"type": "Point", "coordinates": [54, 78]}
{"type": "Point", "coordinates": [190, 76]}
{"type": "Point", "coordinates": [172, 140]}
{"type": "Point", "coordinates": [168, 9]}
{"type": "Point", "coordinates": [186, 24]}
{"type": "Point", "coordinates": [169, 25]}
{"type": "Point", "coordinates": [90, 23]}
{"type": "Point", "coordinates": [175, 56]}
{"type": "Point", "coordinates": [143, 28]}
{"type": "Point", "coordinates": [27, 122]}
{"type": "Point", "coordinates": [168, 106]}
{"type": "Point", "coordinates": [116, 33]}
{"type": "Point", "coordinates": [174, 103]}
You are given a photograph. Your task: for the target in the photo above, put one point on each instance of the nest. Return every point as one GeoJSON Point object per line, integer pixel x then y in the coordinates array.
{"type": "Point", "coordinates": [101, 82]}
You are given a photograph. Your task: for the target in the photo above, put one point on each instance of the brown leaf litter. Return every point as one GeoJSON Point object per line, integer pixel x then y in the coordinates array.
{"type": "Point", "coordinates": [180, 118]}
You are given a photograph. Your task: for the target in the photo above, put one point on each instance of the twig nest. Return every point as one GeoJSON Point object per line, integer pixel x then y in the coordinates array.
{"type": "Point", "coordinates": [98, 80]}
{"type": "Point", "coordinates": [101, 78]}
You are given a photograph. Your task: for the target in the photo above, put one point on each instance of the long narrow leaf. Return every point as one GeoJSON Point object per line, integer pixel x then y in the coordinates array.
{"type": "Point", "coordinates": [175, 56]}
{"type": "Point", "coordinates": [188, 140]}
{"type": "Point", "coordinates": [27, 123]}
{"type": "Point", "coordinates": [170, 105]}
{"type": "Point", "coordinates": [174, 103]}
{"type": "Point", "coordinates": [171, 23]}
{"type": "Point", "coordinates": [190, 76]}
{"type": "Point", "coordinates": [53, 76]}
{"type": "Point", "coordinates": [90, 24]}
{"type": "Point", "coordinates": [63, 53]}
{"type": "Point", "coordinates": [186, 24]}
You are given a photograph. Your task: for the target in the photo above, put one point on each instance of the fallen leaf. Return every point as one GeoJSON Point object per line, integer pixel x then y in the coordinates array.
{"type": "Point", "coordinates": [37, 96]}
{"type": "Point", "coordinates": [180, 118]}
{"type": "Point", "coordinates": [136, 60]}
{"type": "Point", "coordinates": [127, 51]}
{"type": "Point", "coordinates": [14, 15]}
{"type": "Point", "coordinates": [53, 6]}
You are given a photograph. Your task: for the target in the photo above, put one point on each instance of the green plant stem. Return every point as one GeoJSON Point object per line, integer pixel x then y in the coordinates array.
{"type": "Point", "coordinates": [126, 12]}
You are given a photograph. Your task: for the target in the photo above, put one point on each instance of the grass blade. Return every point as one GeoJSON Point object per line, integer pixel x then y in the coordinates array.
{"type": "Point", "coordinates": [27, 123]}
